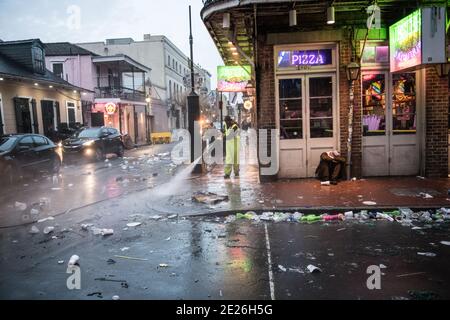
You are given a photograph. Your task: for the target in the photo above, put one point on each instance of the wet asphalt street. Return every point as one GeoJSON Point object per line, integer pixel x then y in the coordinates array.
{"type": "Point", "coordinates": [174, 256]}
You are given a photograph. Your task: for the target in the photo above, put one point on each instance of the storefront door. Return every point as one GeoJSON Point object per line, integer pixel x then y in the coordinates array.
{"type": "Point", "coordinates": [390, 135]}
{"type": "Point", "coordinates": [307, 122]}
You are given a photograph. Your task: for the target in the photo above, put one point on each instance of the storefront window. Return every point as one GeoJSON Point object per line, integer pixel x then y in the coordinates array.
{"type": "Point", "coordinates": [321, 107]}
{"type": "Point", "coordinates": [374, 104]}
{"type": "Point", "coordinates": [291, 113]}
{"type": "Point", "coordinates": [404, 103]}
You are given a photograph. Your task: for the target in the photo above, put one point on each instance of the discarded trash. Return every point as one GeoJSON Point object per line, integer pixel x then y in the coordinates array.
{"type": "Point", "coordinates": [74, 260]}
{"type": "Point", "coordinates": [163, 265]}
{"type": "Point", "coordinates": [168, 239]}
{"type": "Point", "coordinates": [34, 230]}
{"type": "Point", "coordinates": [209, 198]}
{"type": "Point", "coordinates": [333, 217]}
{"type": "Point", "coordinates": [85, 227]}
{"type": "Point", "coordinates": [313, 269]}
{"type": "Point", "coordinates": [282, 268]}
{"type": "Point", "coordinates": [325, 183]}
{"type": "Point", "coordinates": [445, 243]}
{"type": "Point", "coordinates": [20, 206]}
{"type": "Point", "coordinates": [427, 254]}
{"type": "Point", "coordinates": [423, 295]}
{"type": "Point", "coordinates": [116, 298]}
{"type": "Point", "coordinates": [103, 232]}
{"type": "Point", "coordinates": [369, 203]}
{"type": "Point", "coordinates": [349, 215]}
{"type": "Point", "coordinates": [124, 249]}
{"type": "Point", "coordinates": [155, 217]}
{"type": "Point", "coordinates": [384, 216]}
{"type": "Point", "coordinates": [134, 224]}
{"type": "Point", "coordinates": [61, 262]}
{"type": "Point", "coordinates": [247, 216]}
{"type": "Point", "coordinates": [425, 195]}
{"type": "Point", "coordinates": [46, 219]}
{"type": "Point", "coordinates": [49, 230]}
{"type": "Point", "coordinates": [34, 212]}
{"type": "Point", "coordinates": [311, 218]}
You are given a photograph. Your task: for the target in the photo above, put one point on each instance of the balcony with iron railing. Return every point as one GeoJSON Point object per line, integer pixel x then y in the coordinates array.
{"type": "Point", "coordinates": [119, 93]}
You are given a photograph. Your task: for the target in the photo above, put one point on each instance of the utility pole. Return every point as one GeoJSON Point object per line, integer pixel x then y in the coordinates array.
{"type": "Point", "coordinates": [193, 106]}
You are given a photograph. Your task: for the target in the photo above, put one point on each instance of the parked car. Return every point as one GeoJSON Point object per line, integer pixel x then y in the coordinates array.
{"type": "Point", "coordinates": [93, 143]}
{"type": "Point", "coordinates": [22, 154]}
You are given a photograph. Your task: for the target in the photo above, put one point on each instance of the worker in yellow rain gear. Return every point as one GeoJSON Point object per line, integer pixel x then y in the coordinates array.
{"type": "Point", "coordinates": [233, 143]}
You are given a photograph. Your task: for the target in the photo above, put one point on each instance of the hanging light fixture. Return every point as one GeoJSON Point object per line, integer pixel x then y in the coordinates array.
{"type": "Point", "coordinates": [292, 17]}
{"type": "Point", "coordinates": [331, 15]}
{"type": "Point", "coordinates": [226, 20]}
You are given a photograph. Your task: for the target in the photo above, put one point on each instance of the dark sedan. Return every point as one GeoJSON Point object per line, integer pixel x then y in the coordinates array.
{"type": "Point", "coordinates": [94, 143]}
{"type": "Point", "coordinates": [23, 154]}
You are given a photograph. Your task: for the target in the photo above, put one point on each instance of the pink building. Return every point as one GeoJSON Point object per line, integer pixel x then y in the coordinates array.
{"type": "Point", "coordinates": [115, 87]}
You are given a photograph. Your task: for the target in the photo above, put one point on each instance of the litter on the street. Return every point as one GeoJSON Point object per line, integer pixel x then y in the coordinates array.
{"type": "Point", "coordinates": [427, 254]}
{"type": "Point", "coordinates": [46, 219]}
{"type": "Point", "coordinates": [73, 260]}
{"type": "Point", "coordinates": [49, 230]}
{"type": "Point", "coordinates": [445, 243]}
{"type": "Point", "coordinates": [20, 206]}
{"type": "Point", "coordinates": [282, 268]}
{"type": "Point", "coordinates": [313, 269]}
{"type": "Point", "coordinates": [209, 198]}
{"type": "Point", "coordinates": [34, 230]}
{"type": "Point", "coordinates": [369, 203]}
{"type": "Point", "coordinates": [134, 224]}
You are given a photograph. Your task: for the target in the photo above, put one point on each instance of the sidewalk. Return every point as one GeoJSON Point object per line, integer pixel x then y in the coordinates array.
{"type": "Point", "coordinates": [247, 193]}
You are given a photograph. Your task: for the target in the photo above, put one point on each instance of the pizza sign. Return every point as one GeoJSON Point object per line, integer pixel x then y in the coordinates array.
{"type": "Point", "coordinates": [110, 108]}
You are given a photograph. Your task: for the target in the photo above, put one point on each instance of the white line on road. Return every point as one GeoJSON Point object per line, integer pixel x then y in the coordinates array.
{"type": "Point", "coordinates": [269, 260]}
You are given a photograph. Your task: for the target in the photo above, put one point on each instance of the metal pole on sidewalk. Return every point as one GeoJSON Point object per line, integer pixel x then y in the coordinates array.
{"type": "Point", "coordinates": [193, 103]}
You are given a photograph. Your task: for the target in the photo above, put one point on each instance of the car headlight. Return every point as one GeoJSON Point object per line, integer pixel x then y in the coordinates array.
{"type": "Point", "coordinates": [88, 143]}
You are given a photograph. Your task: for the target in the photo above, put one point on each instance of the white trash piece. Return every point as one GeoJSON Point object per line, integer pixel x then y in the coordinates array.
{"type": "Point", "coordinates": [34, 230]}
{"type": "Point", "coordinates": [369, 203]}
{"type": "Point", "coordinates": [349, 215]}
{"type": "Point", "coordinates": [134, 224]}
{"type": "Point", "coordinates": [313, 269]}
{"type": "Point", "coordinates": [34, 212]}
{"type": "Point", "coordinates": [326, 183]}
{"type": "Point", "coordinates": [46, 219]}
{"type": "Point", "coordinates": [445, 243]}
{"type": "Point", "coordinates": [49, 230]}
{"type": "Point", "coordinates": [385, 216]}
{"type": "Point", "coordinates": [282, 268]}
{"type": "Point", "coordinates": [73, 260]}
{"type": "Point", "coordinates": [427, 254]}
{"type": "Point", "coordinates": [116, 298]}
{"type": "Point", "coordinates": [20, 206]}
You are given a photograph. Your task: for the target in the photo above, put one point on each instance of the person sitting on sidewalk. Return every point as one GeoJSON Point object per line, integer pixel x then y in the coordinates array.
{"type": "Point", "coordinates": [331, 167]}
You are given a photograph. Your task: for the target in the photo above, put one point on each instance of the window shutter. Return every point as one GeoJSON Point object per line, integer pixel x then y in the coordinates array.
{"type": "Point", "coordinates": [58, 116]}
{"type": "Point", "coordinates": [35, 123]}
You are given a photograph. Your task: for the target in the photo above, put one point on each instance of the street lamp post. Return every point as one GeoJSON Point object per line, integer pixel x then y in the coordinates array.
{"type": "Point", "coordinates": [353, 70]}
{"type": "Point", "coordinates": [193, 104]}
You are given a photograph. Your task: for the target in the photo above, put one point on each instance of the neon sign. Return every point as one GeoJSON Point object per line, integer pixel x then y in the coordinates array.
{"type": "Point", "coordinates": [110, 108]}
{"type": "Point", "coordinates": [303, 58]}
{"type": "Point", "coordinates": [406, 42]}
{"type": "Point", "coordinates": [233, 78]}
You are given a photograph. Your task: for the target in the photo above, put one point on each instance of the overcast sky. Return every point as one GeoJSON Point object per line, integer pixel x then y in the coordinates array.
{"type": "Point", "coordinates": [55, 21]}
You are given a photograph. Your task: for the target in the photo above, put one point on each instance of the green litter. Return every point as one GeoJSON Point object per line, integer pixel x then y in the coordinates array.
{"type": "Point", "coordinates": [311, 218]}
{"type": "Point", "coordinates": [247, 216]}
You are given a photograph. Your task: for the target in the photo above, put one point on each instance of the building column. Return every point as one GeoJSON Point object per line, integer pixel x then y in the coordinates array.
{"type": "Point", "coordinates": [436, 127]}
